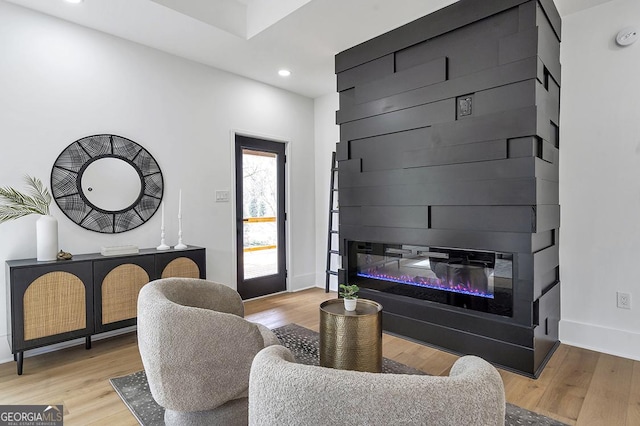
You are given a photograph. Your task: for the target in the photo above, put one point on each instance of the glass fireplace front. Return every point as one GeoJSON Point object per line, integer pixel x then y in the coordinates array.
{"type": "Point", "coordinates": [471, 279]}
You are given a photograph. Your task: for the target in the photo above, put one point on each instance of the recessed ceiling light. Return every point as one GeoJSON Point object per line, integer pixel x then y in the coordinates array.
{"type": "Point", "coordinates": [74, 1]}
{"type": "Point", "coordinates": [284, 73]}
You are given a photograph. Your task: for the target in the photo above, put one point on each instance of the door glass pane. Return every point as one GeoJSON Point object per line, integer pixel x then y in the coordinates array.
{"type": "Point", "coordinates": [260, 206]}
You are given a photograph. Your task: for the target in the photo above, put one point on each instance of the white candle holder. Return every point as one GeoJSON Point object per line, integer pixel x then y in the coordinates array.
{"type": "Point", "coordinates": [180, 245]}
{"type": "Point", "coordinates": [163, 245]}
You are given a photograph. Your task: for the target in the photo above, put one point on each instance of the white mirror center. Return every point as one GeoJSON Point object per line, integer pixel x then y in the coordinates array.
{"type": "Point", "coordinates": [111, 184]}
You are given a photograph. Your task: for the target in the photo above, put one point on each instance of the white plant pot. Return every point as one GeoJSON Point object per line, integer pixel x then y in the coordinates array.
{"type": "Point", "coordinates": [350, 304]}
{"type": "Point", "coordinates": [47, 238]}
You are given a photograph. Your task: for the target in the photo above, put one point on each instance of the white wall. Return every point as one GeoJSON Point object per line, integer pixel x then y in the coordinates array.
{"type": "Point", "coordinates": [327, 134]}
{"type": "Point", "coordinates": [600, 180]}
{"type": "Point", "coordinates": [60, 82]}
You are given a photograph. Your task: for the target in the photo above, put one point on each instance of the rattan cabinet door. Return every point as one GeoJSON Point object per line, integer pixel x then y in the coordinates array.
{"type": "Point", "coordinates": [189, 263]}
{"type": "Point", "coordinates": [117, 282]}
{"type": "Point", "coordinates": [50, 303]}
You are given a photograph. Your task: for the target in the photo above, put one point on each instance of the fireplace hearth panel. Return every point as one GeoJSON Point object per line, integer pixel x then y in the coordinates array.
{"type": "Point", "coordinates": [448, 178]}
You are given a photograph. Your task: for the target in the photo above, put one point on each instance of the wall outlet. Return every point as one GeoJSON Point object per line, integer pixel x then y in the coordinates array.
{"type": "Point", "coordinates": [624, 300]}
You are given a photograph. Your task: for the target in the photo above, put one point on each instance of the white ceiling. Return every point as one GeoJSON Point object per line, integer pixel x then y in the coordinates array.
{"type": "Point", "coordinates": [255, 38]}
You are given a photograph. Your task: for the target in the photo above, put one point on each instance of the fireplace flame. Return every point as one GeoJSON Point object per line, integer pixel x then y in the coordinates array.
{"type": "Point", "coordinates": [432, 283]}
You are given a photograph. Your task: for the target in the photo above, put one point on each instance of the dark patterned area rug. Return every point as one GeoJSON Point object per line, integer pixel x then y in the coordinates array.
{"type": "Point", "coordinates": [134, 389]}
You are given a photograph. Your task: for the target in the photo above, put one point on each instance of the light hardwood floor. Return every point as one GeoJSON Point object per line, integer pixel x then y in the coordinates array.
{"type": "Point", "coordinates": [578, 386]}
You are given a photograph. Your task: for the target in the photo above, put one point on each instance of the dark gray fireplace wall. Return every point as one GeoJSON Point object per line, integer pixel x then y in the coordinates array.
{"type": "Point", "coordinates": [449, 137]}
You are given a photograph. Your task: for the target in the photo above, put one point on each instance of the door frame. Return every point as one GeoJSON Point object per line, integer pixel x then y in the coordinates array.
{"type": "Point", "coordinates": [287, 204]}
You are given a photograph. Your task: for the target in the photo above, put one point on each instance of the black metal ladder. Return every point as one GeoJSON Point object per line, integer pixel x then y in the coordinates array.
{"type": "Point", "coordinates": [333, 219]}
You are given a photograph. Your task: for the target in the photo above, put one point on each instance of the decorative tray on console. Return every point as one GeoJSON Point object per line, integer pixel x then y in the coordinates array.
{"type": "Point", "coordinates": [119, 250]}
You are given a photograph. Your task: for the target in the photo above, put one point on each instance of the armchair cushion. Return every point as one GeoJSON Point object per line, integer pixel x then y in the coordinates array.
{"type": "Point", "coordinates": [282, 392]}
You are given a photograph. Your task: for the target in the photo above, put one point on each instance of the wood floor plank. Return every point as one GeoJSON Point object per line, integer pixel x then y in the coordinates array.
{"type": "Point", "coordinates": [576, 384]}
{"type": "Point", "coordinates": [121, 418]}
{"type": "Point", "coordinates": [565, 395]}
{"type": "Point", "coordinates": [606, 401]}
{"type": "Point", "coordinates": [526, 392]}
{"type": "Point", "coordinates": [427, 359]}
{"type": "Point", "coordinates": [522, 391]}
{"type": "Point", "coordinates": [102, 411]}
{"type": "Point", "coordinates": [633, 412]}
{"type": "Point", "coordinates": [417, 356]}
{"type": "Point", "coordinates": [75, 378]}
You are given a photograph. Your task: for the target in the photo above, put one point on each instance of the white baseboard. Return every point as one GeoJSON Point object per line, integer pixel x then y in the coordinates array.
{"type": "Point", "coordinates": [321, 279]}
{"type": "Point", "coordinates": [304, 288]}
{"type": "Point", "coordinates": [5, 351]}
{"type": "Point", "coordinates": [302, 282]}
{"type": "Point", "coordinates": [622, 343]}
{"type": "Point", "coordinates": [6, 356]}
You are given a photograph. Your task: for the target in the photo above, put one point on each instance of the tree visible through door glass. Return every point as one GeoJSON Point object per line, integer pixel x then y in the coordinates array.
{"type": "Point", "coordinates": [260, 205]}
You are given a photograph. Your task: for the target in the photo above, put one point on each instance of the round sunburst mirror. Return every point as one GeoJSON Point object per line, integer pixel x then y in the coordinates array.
{"type": "Point", "coordinates": [107, 183]}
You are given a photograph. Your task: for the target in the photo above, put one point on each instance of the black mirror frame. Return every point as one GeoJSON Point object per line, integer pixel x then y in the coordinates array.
{"type": "Point", "coordinates": [66, 187]}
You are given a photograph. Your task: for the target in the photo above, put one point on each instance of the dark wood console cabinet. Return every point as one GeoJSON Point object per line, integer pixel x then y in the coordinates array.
{"type": "Point", "coordinates": [52, 302]}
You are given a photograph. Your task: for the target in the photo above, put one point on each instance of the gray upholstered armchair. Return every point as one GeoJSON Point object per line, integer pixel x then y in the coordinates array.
{"type": "Point", "coordinates": [197, 350]}
{"type": "Point", "coordinates": [282, 392]}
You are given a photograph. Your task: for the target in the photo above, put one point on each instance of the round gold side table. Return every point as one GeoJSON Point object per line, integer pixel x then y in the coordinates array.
{"type": "Point", "coordinates": [351, 340]}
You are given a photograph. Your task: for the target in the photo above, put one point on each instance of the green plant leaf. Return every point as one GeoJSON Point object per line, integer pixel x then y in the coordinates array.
{"type": "Point", "coordinates": [39, 193]}
{"type": "Point", "coordinates": [15, 204]}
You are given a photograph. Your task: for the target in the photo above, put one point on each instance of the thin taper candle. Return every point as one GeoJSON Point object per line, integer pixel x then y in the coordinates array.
{"type": "Point", "coordinates": [162, 245]}
{"type": "Point", "coordinates": [180, 244]}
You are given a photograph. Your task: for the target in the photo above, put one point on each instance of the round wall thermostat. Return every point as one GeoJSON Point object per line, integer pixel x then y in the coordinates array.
{"type": "Point", "coordinates": [627, 36]}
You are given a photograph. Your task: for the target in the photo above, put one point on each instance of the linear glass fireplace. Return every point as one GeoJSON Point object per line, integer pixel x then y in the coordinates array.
{"type": "Point", "coordinates": [477, 280]}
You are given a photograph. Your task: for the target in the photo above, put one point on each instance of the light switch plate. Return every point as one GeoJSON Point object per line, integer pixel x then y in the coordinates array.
{"type": "Point", "coordinates": [222, 196]}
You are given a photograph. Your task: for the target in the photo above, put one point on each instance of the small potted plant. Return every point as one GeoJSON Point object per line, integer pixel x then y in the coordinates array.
{"type": "Point", "coordinates": [350, 296]}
